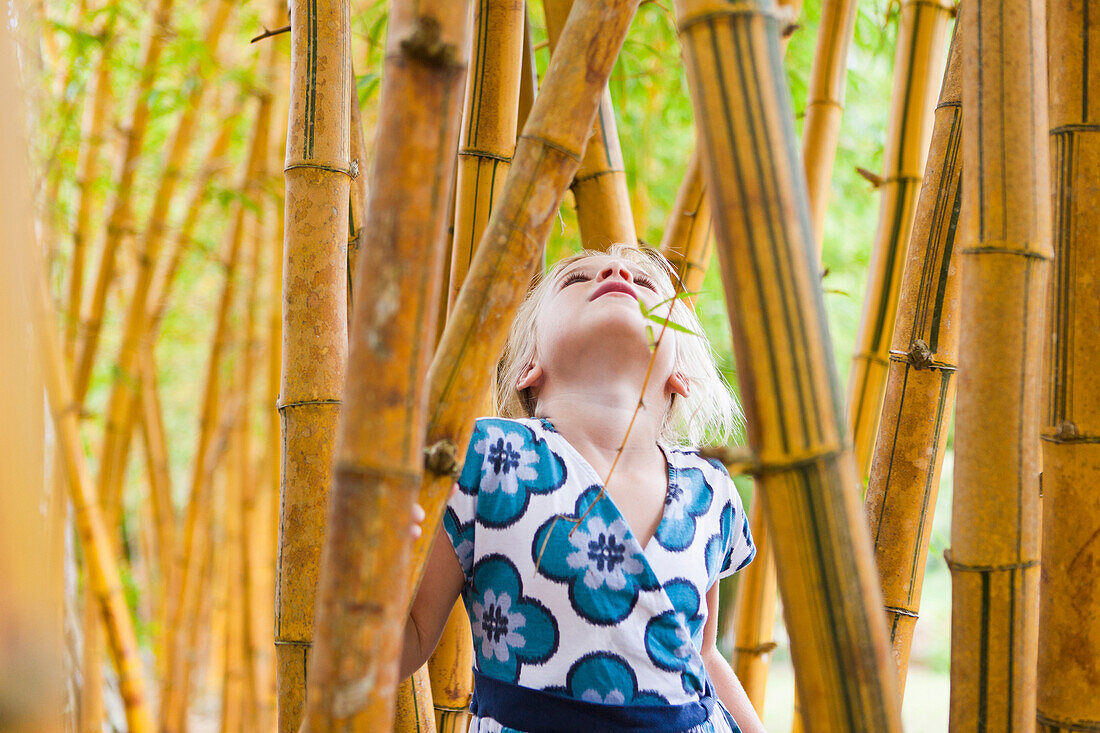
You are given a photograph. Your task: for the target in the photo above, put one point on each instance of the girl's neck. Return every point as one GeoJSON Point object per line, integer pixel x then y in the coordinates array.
{"type": "Point", "coordinates": [595, 421]}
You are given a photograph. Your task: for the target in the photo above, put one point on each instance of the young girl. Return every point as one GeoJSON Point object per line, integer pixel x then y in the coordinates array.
{"type": "Point", "coordinates": [594, 605]}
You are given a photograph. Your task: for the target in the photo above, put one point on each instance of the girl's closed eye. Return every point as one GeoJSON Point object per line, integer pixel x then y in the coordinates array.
{"type": "Point", "coordinates": [645, 282]}
{"type": "Point", "coordinates": [574, 277]}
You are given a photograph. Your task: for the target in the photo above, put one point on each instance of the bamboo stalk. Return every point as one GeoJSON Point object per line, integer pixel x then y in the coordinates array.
{"type": "Point", "coordinates": [754, 613]}
{"type": "Point", "coordinates": [528, 75]}
{"type": "Point", "coordinates": [414, 704]}
{"type": "Point", "coordinates": [688, 240]}
{"type": "Point", "coordinates": [918, 68]}
{"type": "Point", "coordinates": [101, 563]}
{"type": "Point", "coordinates": [359, 192]}
{"type": "Point", "coordinates": [314, 327]}
{"type": "Point", "coordinates": [599, 186]}
{"type": "Point", "coordinates": [488, 137]}
{"type": "Point", "coordinates": [379, 454]}
{"type": "Point", "coordinates": [549, 152]}
{"type": "Point", "coordinates": [118, 427]}
{"type": "Point", "coordinates": [1004, 262]}
{"type": "Point", "coordinates": [188, 562]}
{"type": "Point", "coordinates": [29, 637]}
{"type": "Point", "coordinates": [825, 104]}
{"type": "Point", "coordinates": [1069, 642]}
{"type": "Point", "coordinates": [88, 161]}
{"type": "Point", "coordinates": [807, 479]}
{"type": "Point", "coordinates": [121, 201]}
{"type": "Point", "coordinates": [449, 672]}
{"type": "Point", "coordinates": [231, 552]}
{"type": "Point", "coordinates": [920, 385]}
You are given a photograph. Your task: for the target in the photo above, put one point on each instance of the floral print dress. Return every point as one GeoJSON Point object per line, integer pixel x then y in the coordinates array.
{"type": "Point", "coordinates": [577, 621]}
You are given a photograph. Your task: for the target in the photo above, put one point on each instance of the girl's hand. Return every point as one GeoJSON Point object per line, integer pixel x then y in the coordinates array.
{"type": "Point", "coordinates": [415, 530]}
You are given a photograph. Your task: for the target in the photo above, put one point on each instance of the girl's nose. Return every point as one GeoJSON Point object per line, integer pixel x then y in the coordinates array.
{"type": "Point", "coordinates": [615, 268]}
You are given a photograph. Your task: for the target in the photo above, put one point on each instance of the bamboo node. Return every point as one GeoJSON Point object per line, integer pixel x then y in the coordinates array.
{"type": "Point", "coordinates": [920, 356]}
{"type": "Point", "coordinates": [1073, 725]}
{"type": "Point", "coordinates": [441, 458]}
{"type": "Point", "coordinates": [738, 461]}
{"type": "Point", "coordinates": [966, 568]}
{"type": "Point", "coordinates": [901, 611]}
{"type": "Point", "coordinates": [873, 178]}
{"type": "Point", "coordinates": [758, 650]}
{"type": "Point", "coordinates": [355, 168]}
{"type": "Point", "coordinates": [425, 44]}
{"type": "Point", "coordinates": [1066, 431]}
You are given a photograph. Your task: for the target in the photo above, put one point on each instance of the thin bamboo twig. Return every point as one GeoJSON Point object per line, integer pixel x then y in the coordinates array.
{"type": "Point", "coordinates": [318, 181]}
{"type": "Point", "coordinates": [806, 473]}
{"type": "Point", "coordinates": [599, 186]}
{"type": "Point", "coordinates": [1069, 641]}
{"type": "Point", "coordinates": [920, 385]}
{"type": "Point", "coordinates": [1005, 258]}
{"type": "Point", "coordinates": [549, 151]}
{"type": "Point", "coordinates": [379, 454]}
{"type": "Point", "coordinates": [918, 69]}
{"type": "Point", "coordinates": [121, 200]}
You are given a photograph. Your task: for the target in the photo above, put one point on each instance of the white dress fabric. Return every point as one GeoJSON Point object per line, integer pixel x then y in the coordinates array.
{"type": "Point", "coordinates": [581, 610]}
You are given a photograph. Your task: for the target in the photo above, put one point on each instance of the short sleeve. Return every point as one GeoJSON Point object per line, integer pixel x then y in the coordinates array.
{"type": "Point", "coordinates": [458, 519]}
{"type": "Point", "coordinates": [736, 537]}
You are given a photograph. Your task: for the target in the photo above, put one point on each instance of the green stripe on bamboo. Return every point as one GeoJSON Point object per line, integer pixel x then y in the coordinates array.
{"type": "Point", "coordinates": [1005, 253]}
{"type": "Point", "coordinates": [920, 384]}
{"type": "Point", "coordinates": [807, 479]}
{"type": "Point", "coordinates": [599, 185]}
{"type": "Point", "coordinates": [918, 68]}
{"type": "Point", "coordinates": [314, 344]}
{"type": "Point", "coordinates": [379, 457]}
{"type": "Point", "coordinates": [1069, 641]}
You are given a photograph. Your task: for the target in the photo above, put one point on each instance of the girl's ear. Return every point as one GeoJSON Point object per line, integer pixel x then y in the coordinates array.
{"type": "Point", "coordinates": [677, 384]}
{"type": "Point", "coordinates": [531, 377]}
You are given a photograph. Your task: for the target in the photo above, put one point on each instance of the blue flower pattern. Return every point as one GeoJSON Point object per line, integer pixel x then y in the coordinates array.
{"type": "Point", "coordinates": [673, 639]}
{"type": "Point", "coordinates": [599, 559]}
{"type": "Point", "coordinates": [604, 677]}
{"type": "Point", "coordinates": [509, 629]}
{"type": "Point", "coordinates": [505, 466]}
{"type": "Point", "coordinates": [689, 496]}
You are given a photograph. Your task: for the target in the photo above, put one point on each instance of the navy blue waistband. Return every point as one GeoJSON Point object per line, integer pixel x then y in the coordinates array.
{"type": "Point", "coordinates": [536, 711]}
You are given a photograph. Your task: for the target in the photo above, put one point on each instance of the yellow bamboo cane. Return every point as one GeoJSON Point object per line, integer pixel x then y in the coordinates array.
{"type": "Point", "coordinates": [688, 239]}
{"type": "Point", "coordinates": [824, 105]}
{"type": "Point", "coordinates": [599, 186]}
{"type": "Point", "coordinates": [88, 162]}
{"type": "Point", "coordinates": [359, 193]}
{"type": "Point", "coordinates": [488, 136]}
{"type": "Point", "coordinates": [231, 553]}
{"type": "Point", "coordinates": [918, 68]}
{"type": "Point", "coordinates": [1004, 261]}
{"type": "Point", "coordinates": [548, 153]}
{"type": "Point", "coordinates": [920, 385]}
{"type": "Point", "coordinates": [121, 202]}
{"type": "Point", "coordinates": [188, 562]}
{"type": "Point", "coordinates": [1069, 641]}
{"type": "Point", "coordinates": [528, 75]}
{"type": "Point", "coordinates": [379, 457]}
{"type": "Point", "coordinates": [449, 671]}
{"type": "Point", "coordinates": [101, 563]}
{"type": "Point", "coordinates": [29, 638]}
{"type": "Point", "coordinates": [314, 336]}
{"type": "Point", "coordinates": [414, 704]}
{"type": "Point", "coordinates": [806, 474]}
{"type": "Point", "coordinates": [118, 427]}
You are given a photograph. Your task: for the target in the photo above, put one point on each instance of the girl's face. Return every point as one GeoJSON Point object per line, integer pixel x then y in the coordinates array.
{"type": "Point", "coordinates": [592, 306]}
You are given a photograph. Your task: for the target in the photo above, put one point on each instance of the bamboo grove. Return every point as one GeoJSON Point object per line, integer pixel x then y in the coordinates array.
{"type": "Point", "coordinates": [259, 263]}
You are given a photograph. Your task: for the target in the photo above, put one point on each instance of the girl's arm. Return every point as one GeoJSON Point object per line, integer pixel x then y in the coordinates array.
{"type": "Point", "coordinates": [443, 581]}
{"type": "Point", "coordinates": [726, 684]}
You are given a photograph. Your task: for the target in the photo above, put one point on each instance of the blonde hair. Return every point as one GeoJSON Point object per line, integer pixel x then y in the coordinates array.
{"type": "Point", "coordinates": [710, 412]}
